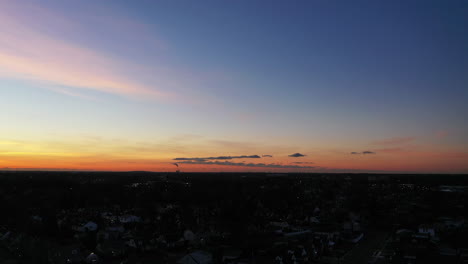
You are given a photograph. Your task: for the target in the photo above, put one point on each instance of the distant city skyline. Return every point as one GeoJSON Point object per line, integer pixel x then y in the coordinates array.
{"type": "Point", "coordinates": [309, 86]}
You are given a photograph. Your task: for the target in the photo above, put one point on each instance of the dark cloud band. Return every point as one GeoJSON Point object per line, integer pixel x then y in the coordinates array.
{"type": "Point", "coordinates": [221, 158]}
{"type": "Point", "coordinates": [297, 155]}
{"type": "Point", "coordinates": [364, 152]}
{"type": "Point", "coordinates": [260, 165]}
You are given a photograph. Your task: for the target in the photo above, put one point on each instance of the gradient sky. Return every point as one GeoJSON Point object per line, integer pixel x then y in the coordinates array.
{"type": "Point", "coordinates": [132, 85]}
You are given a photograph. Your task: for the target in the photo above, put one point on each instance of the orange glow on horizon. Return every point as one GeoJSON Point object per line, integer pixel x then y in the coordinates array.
{"type": "Point", "coordinates": [422, 162]}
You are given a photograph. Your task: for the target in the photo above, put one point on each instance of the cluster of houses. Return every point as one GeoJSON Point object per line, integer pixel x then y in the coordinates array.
{"type": "Point", "coordinates": [283, 220]}
{"type": "Point", "coordinates": [429, 225]}
{"type": "Point", "coordinates": [303, 228]}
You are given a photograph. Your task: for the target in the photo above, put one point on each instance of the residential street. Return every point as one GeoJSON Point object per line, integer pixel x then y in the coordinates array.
{"type": "Point", "coordinates": [372, 241]}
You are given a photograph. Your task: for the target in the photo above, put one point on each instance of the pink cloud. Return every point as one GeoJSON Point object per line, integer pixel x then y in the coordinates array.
{"type": "Point", "coordinates": [29, 53]}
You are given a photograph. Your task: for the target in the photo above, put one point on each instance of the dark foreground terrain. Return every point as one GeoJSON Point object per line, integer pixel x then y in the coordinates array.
{"type": "Point", "coordinates": [141, 217]}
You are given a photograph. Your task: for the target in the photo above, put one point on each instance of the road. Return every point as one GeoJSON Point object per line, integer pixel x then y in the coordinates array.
{"type": "Point", "coordinates": [372, 241]}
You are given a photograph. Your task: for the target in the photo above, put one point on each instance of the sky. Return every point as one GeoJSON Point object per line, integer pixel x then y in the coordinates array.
{"type": "Point", "coordinates": [265, 86]}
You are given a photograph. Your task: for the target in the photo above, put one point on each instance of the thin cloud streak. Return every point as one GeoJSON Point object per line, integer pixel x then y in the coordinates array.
{"type": "Point", "coordinates": [364, 152]}
{"type": "Point", "coordinates": [74, 94]}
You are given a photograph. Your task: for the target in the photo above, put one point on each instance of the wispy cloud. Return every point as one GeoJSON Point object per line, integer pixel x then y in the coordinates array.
{"type": "Point", "coordinates": [267, 156]}
{"type": "Point", "coordinates": [296, 155]}
{"type": "Point", "coordinates": [28, 53]}
{"type": "Point", "coordinates": [394, 141]}
{"type": "Point", "coordinates": [73, 93]}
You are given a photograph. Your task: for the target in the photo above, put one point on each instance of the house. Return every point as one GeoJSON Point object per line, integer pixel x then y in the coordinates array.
{"type": "Point", "coordinates": [90, 226]}
{"type": "Point", "coordinates": [129, 219]}
{"type": "Point", "coordinates": [92, 258]}
{"type": "Point", "coordinates": [427, 230]}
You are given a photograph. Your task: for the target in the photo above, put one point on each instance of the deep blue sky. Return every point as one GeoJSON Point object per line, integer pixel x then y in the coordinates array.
{"type": "Point", "coordinates": [408, 56]}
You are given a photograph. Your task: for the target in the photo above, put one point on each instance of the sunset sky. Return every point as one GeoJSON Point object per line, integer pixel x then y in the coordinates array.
{"type": "Point", "coordinates": [301, 86]}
